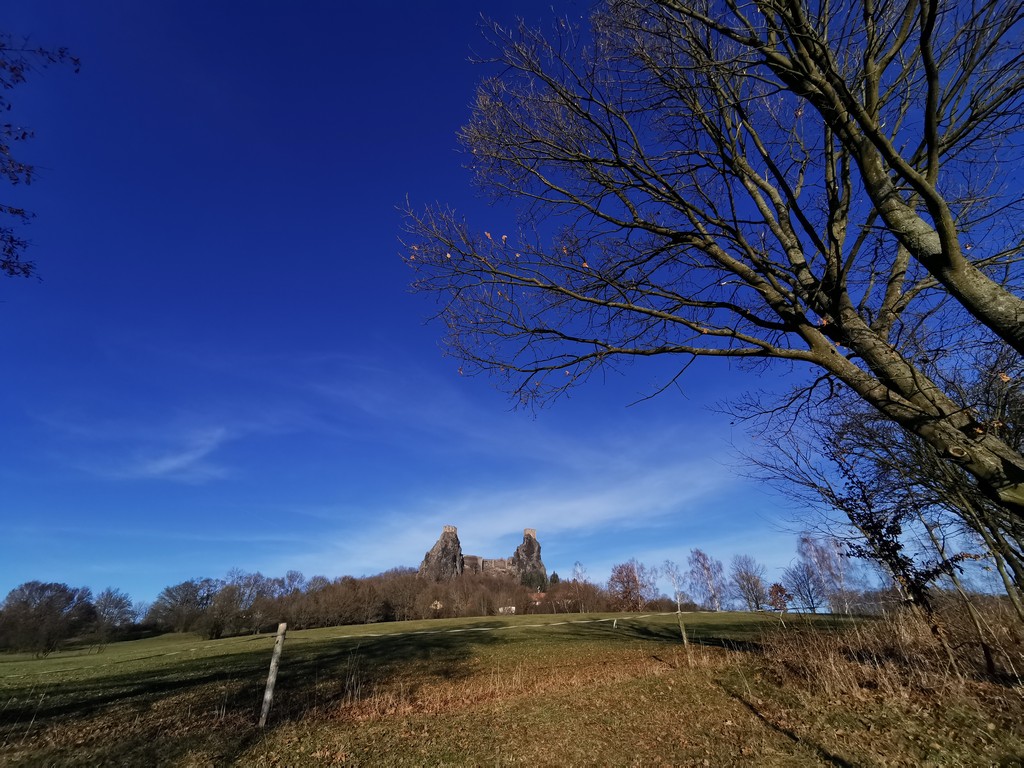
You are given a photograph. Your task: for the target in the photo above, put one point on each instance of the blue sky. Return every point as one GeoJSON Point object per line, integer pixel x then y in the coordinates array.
{"type": "Point", "coordinates": [222, 365]}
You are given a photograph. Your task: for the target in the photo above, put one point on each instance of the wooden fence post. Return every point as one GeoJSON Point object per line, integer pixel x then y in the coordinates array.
{"type": "Point", "coordinates": [268, 695]}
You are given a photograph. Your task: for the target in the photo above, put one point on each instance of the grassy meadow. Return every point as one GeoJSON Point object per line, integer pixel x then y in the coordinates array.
{"type": "Point", "coordinates": [519, 690]}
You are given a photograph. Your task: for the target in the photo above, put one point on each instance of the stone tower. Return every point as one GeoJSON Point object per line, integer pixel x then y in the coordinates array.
{"type": "Point", "coordinates": [526, 561]}
{"type": "Point", "coordinates": [444, 560]}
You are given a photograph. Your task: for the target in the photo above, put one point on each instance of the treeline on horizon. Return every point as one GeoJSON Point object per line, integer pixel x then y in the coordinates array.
{"type": "Point", "coordinates": [43, 617]}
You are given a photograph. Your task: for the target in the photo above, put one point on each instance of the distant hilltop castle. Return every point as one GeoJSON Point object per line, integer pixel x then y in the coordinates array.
{"type": "Point", "coordinates": [445, 560]}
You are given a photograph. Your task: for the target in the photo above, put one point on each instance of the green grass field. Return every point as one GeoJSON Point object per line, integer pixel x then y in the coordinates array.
{"type": "Point", "coordinates": [603, 690]}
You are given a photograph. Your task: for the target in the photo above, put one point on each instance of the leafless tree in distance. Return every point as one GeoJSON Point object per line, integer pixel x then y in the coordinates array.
{"type": "Point", "coordinates": [707, 579]}
{"type": "Point", "coordinates": [632, 585]}
{"type": "Point", "coordinates": [747, 578]}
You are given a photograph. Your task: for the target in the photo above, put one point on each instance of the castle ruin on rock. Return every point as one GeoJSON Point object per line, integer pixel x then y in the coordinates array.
{"type": "Point", "coordinates": [445, 560]}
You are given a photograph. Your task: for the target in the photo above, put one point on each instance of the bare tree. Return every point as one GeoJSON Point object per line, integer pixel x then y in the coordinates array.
{"type": "Point", "coordinates": [677, 579]}
{"type": "Point", "coordinates": [707, 579]}
{"type": "Point", "coordinates": [114, 608]}
{"type": "Point", "coordinates": [580, 586]}
{"type": "Point", "coordinates": [17, 60]}
{"type": "Point", "coordinates": [826, 557]}
{"type": "Point", "coordinates": [401, 586]}
{"type": "Point", "coordinates": [114, 611]}
{"type": "Point", "coordinates": [632, 585]}
{"type": "Point", "coordinates": [945, 505]}
{"type": "Point", "coordinates": [181, 607]}
{"type": "Point", "coordinates": [222, 616]}
{"type": "Point", "coordinates": [747, 577]}
{"type": "Point", "coordinates": [804, 583]}
{"type": "Point", "coordinates": [763, 181]}
{"type": "Point", "coordinates": [879, 517]}
{"type": "Point", "coordinates": [38, 617]}
{"type": "Point", "coordinates": [882, 479]}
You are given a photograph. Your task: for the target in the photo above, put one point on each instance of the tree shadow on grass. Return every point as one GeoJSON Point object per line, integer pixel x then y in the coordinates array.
{"type": "Point", "coordinates": [319, 674]}
{"type": "Point", "coordinates": [822, 753]}
{"type": "Point", "coordinates": [743, 636]}
{"type": "Point", "coordinates": [734, 636]}
{"type": "Point", "coordinates": [209, 707]}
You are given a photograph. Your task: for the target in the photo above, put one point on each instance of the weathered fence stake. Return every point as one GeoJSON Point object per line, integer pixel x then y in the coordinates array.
{"type": "Point", "coordinates": [268, 696]}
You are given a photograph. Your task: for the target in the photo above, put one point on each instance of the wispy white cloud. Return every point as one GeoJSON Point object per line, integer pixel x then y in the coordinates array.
{"type": "Point", "coordinates": [618, 475]}
{"type": "Point", "coordinates": [180, 451]}
{"type": "Point", "coordinates": [621, 493]}
{"type": "Point", "coordinates": [186, 462]}
{"type": "Point", "coordinates": [186, 458]}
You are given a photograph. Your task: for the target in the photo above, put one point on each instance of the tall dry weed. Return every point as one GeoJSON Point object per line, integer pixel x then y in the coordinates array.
{"type": "Point", "coordinates": [900, 654]}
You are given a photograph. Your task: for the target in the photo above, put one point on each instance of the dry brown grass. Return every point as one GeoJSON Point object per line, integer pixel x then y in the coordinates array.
{"type": "Point", "coordinates": [899, 654]}
{"type": "Point", "coordinates": [588, 694]}
{"type": "Point", "coordinates": [505, 679]}
{"type": "Point", "coordinates": [592, 703]}
{"type": "Point", "coordinates": [885, 691]}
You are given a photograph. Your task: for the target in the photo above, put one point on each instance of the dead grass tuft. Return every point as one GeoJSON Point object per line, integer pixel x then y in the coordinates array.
{"type": "Point", "coordinates": [898, 655]}
{"type": "Point", "coordinates": [892, 677]}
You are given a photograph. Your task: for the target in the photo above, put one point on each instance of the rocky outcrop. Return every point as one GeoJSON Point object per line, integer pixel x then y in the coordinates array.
{"type": "Point", "coordinates": [526, 562]}
{"type": "Point", "coordinates": [444, 560]}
